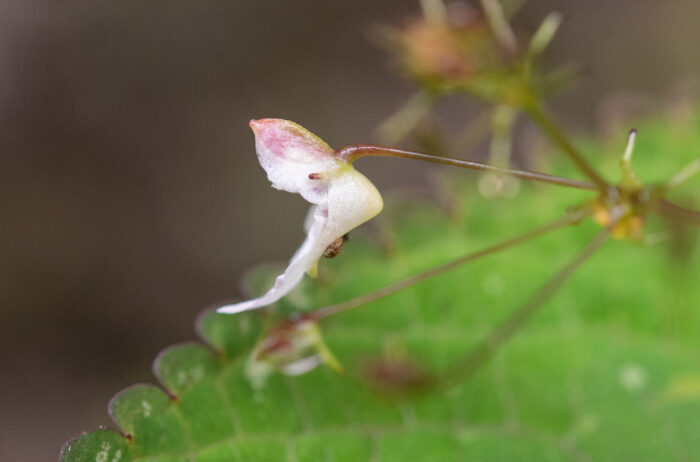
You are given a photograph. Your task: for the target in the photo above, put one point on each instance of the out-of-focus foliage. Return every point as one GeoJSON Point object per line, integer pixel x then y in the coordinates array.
{"type": "Point", "coordinates": [607, 371]}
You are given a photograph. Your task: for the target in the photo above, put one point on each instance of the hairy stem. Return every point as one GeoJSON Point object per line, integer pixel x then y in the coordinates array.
{"type": "Point", "coordinates": [540, 117]}
{"type": "Point", "coordinates": [484, 350]}
{"type": "Point", "coordinates": [353, 152]}
{"type": "Point", "coordinates": [571, 218]}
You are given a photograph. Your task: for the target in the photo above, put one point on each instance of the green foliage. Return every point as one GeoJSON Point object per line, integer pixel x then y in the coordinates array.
{"type": "Point", "coordinates": [607, 371]}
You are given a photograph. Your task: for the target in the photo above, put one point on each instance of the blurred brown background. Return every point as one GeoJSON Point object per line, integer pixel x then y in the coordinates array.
{"type": "Point", "coordinates": [130, 195]}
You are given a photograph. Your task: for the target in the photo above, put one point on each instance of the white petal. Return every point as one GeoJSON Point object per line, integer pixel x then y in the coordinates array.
{"type": "Point", "coordinates": [304, 258]}
{"type": "Point", "coordinates": [309, 220]}
{"type": "Point", "coordinates": [352, 200]}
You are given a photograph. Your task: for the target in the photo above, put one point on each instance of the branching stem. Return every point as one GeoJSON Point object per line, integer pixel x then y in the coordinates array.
{"type": "Point", "coordinates": [540, 117]}
{"type": "Point", "coordinates": [484, 350]}
{"type": "Point", "coordinates": [571, 218]}
{"type": "Point", "coordinates": [353, 152]}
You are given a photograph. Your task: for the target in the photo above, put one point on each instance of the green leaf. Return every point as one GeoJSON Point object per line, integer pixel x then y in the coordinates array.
{"type": "Point", "coordinates": [99, 446]}
{"type": "Point", "coordinates": [608, 370]}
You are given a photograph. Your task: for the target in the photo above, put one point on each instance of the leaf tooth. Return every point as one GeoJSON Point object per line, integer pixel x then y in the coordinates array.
{"type": "Point", "coordinates": [140, 399]}
{"type": "Point", "coordinates": [179, 367]}
{"type": "Point", "coordinates": [190, 372]}
{"type": "Point", "coordinates": [145, 415]}
{"type": "Point", "coordinates": [99, 445]}
{"type": "Point", "coordinates": [226, 334]}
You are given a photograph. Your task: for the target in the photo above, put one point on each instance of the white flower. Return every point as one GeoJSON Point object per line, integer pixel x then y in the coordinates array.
{"type": "Point", "coordinates": [297, 161]}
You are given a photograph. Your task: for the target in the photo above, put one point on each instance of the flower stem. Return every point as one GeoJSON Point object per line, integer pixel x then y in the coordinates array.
{"type": "Point", "coordinates": [685, 174]}
{"type": "Point", "coordinates": [499, 25]}
{"type": "Point", "coordinates": [540, 117]}
{"type": "Point", "coordinates": [353, 152]}
{"type": "Point", "coordinates": [676, 212]}
{"type": "Point", "coordinates": [484, 350]}
{"type": "Point", "coordinates": [573, 217]}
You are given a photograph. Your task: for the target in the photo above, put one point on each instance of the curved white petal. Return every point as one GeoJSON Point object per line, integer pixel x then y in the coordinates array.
{"type": "Point", "coordinates": [352, 200]}
{"type": "Point", "coordinates": [289, 154]}
{"type": "Point", "coordinates": [304, 259]}
{"type": "Point", "coordinates": [310, 218]}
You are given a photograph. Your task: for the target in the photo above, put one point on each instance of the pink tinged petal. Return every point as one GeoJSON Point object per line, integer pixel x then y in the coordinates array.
{"type": "Point", "coordinates": [295, 159]}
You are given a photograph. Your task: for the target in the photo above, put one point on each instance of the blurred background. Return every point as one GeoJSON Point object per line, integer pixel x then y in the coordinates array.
{"type": "Point", "coordinates": [131, 198]}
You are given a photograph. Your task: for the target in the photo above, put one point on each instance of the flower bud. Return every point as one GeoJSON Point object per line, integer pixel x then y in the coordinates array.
{"type": "Point", "coordinates": [293, 347]}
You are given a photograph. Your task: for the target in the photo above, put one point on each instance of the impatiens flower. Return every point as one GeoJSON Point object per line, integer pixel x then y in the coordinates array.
{"type": "Point", "coordinates": [299, 162]}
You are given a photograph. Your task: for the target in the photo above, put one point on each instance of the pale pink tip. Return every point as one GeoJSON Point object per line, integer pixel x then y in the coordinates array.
{"type": "Point", "coordinates": [258, 124]}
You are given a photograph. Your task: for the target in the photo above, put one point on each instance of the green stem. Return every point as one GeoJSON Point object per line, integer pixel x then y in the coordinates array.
{"type": "Point", "coordinates": [499, 25]}
{"type": "Point", "coordinates": [571, 218]}
{"type": "Point", "coordinates": [353, 152]}
{"type": "Point", "coordinates": [685, 174]}
{"type": "Point", "coordinates": [484, 350]}
{"type": "Point", "coordinates": [540, 117]}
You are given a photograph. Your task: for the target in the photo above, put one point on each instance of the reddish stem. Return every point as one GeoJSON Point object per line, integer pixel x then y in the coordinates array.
{"type": "Point", "coordinates": [353, 152]}
{"type": "Point", "coordinates": [676, 212]}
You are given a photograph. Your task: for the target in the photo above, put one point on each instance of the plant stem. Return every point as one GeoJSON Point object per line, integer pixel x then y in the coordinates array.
{"type": "Point", "coordinates": [400, 124]}
{"type": "Point", "coordinates": [353, 152]}
{"type": "Point", "coordinates": [545, 33]}
{"type": "Point", "coordinates": [540, 117]}
{"type": "Point", "coordinates": [499, 25]}
{"type": "Point", "coordinates": [570, 218]}
{"type": "Point", "coordinates": [484, 350]}
{"type": "Point", "coordinates": [676, 212]}
{"type": "Point", "coordinates": [685, 174]}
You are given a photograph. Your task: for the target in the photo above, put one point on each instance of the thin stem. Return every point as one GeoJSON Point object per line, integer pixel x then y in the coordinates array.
{"type": "Point", "coordinates": [571, 218]}
{"type": "Point", "coordinates": [350, 153]}
{"type": "Point", "coordinates": [685, 174]}
{"type": "Point", "coordinates": [399, 124]}
{"type": "Point", "coordinates": [629, 178]}
{"type": "Point", "coordinates": [499, 25]}
{"type": "Point", "coordinates": [483, 351]}
{"type": "Point", "coordinates": [540, 117]}
{"type": "Point", "coordinates": [545, 33]}
{"type": "Point", "coordinates": [474, 132]}
{"type": "Point", "coordinates": [629, 149]}
{"type": "Point", "coordinates": [676, 212]}
{"type": "Point", "coordinates": [502, 123]}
